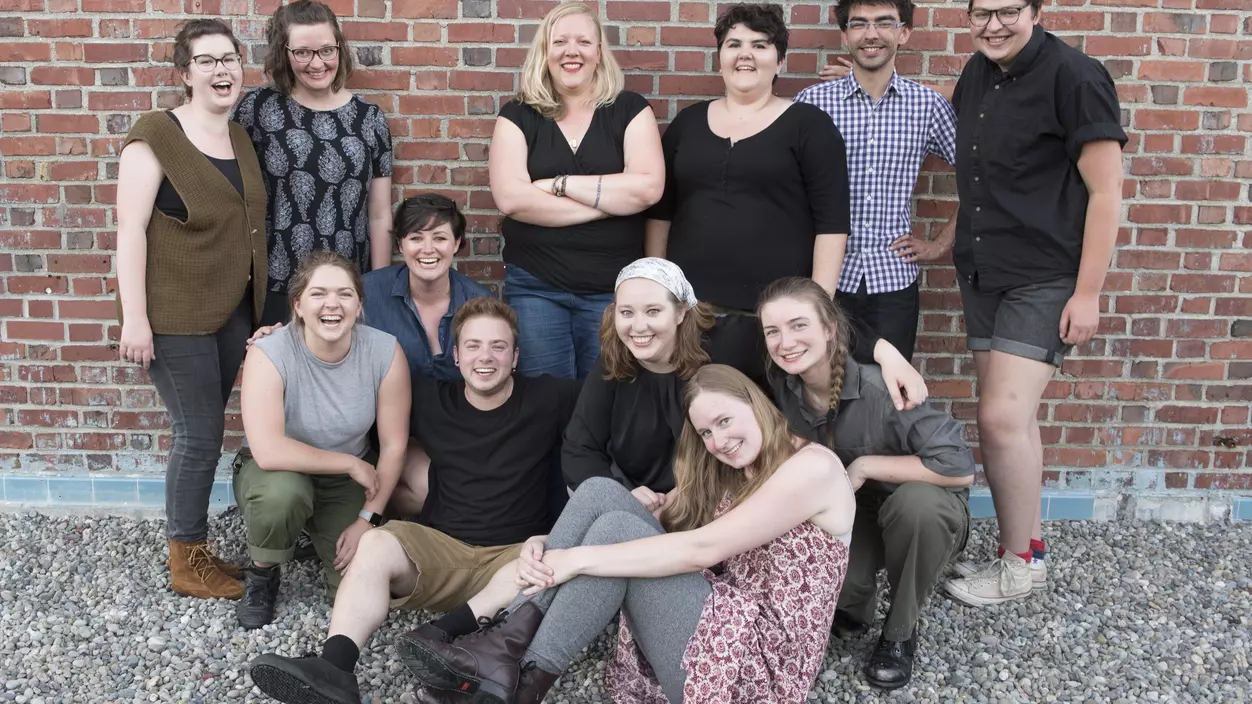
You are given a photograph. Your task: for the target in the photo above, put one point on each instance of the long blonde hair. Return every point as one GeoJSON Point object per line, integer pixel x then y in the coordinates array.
{"type": "Point", "coordinates": [537, 89]}
{"type": "Point", "coordinates": [700, 479]}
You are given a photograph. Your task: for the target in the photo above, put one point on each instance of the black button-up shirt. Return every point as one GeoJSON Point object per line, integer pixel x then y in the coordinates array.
{"type": "Point", "coordinates": [1018, 138]}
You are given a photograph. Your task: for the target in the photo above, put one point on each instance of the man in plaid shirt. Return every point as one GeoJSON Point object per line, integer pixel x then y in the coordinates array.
{"type": "Point", "coordinates": [889, 125]}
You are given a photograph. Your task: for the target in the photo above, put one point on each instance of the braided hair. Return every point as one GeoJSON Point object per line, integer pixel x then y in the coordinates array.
{"type": "Point", "coordinates": [834, 321]}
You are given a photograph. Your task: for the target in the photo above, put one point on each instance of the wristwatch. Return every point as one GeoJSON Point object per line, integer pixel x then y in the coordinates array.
{"type": "Point", "coordinates": [373, 518]}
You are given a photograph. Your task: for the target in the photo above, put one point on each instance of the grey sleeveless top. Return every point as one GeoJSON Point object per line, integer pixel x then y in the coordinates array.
{"type": "Point", "coordinates": [330, 406]}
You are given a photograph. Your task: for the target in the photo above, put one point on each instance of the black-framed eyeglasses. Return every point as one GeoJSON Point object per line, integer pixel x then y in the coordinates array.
{"type": "Point", "coordinates": [880, 25]}
{"type": "Point", "coordinates": [1007, 15]}
{"type": "Point", "coordinates": [304, 56]}
{"type": "Point", "coordinates": [208, 64]}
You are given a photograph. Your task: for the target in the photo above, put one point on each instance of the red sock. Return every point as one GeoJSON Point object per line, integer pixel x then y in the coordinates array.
{"type": "Point", "coordinates": [1024, 555]}
{"type": "Point", "coordinates": [1039, 546]}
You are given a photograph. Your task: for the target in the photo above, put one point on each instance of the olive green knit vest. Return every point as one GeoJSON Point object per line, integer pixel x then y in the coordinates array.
{"type": "Point", "coordinates": [198, 270]}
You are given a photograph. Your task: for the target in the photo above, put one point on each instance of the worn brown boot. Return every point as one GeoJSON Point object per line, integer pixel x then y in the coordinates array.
{"type": "Point", "coordinates": [534, 684]}
{"type": "Point", "coordinates": [193, 572]}
{"type": "Point", "coordinates": [485, 665]}
{"type": "Point", "coordinates": [229, 569]}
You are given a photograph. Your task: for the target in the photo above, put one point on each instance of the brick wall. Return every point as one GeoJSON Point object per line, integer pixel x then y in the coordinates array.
{"type": "Point", "coordinates": [1160, 400]}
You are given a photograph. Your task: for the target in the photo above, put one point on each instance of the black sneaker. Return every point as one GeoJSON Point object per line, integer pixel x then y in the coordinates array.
{"type": "Point", "coordinates": [260, 591]}
{"type": "Point", "coordinates": [304, 548]}
{"type": "Point", "coordinates": [306, 680]}
{"type": "Point", "coordinates": [891, 664]}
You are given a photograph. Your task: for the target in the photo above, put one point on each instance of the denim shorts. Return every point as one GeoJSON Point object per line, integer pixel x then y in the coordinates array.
{"type": "Point", "coordinates": [1024, 321]}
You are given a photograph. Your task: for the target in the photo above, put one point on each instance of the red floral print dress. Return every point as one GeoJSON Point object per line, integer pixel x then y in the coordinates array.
{"type": "Point", "coordinates": [764, 629]}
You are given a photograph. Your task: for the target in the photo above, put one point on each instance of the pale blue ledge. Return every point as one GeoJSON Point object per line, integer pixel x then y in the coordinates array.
{"type": "Point", "coordinates": [1242, 509]}
{"type": "Point", "coordinates": [1054, 506]}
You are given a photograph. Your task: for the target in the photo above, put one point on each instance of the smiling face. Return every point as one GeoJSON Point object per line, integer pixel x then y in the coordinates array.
{"type": "Point", "coordinates": [727, 426]}
{"type": "Point", "coordinates": [646, 319]}
{"type": "Point", "coordinates": [998, 41]}
{"type": "Point", "coordinates": [486, 353]}
{"type": "Point", "coordinates": [218, 88]}
{"type": "Point", "coordinates": [748, 61]}
{"type": "Point", "coordinates": [428, 253]}
{"type": "Point", "coordinates": [795, 336]}
{"type": "Point", "coordinates": [872, 48]}
{"type": "Point", "coordinates": [329, 305]}
{"type": "Point", "coordinates": [318, 74]}
{"type": "Point", "coordinates": [573, 53]}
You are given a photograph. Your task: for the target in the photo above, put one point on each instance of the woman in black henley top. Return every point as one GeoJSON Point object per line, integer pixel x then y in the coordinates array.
{"type": "Point", "coordinates": [756, 186]}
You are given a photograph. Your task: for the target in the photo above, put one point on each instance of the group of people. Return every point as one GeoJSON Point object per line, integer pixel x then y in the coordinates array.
{"type": "Point", "coordinates": [693, 412]}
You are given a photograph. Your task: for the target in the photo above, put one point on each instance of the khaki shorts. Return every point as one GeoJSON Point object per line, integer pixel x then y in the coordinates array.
{"type": "Point", "coordinates": [449, 571]}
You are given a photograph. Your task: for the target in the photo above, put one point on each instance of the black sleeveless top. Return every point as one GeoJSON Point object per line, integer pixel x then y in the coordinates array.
{"type": "Point", "coordinates": [581, 259]}
{"type": "Point", "coordinates": [170, 203]}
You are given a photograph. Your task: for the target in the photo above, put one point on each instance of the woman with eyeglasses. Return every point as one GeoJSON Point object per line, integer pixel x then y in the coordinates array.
{"type": "Point", "coordinates": [191, 270]}
{"type": "Point", "coordinates": [326, 153]}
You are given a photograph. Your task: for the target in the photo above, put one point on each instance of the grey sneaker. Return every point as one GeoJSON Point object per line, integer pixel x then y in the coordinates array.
{"type": "Point", "coordinates": [1007, 578]}
{"type": "Point", "coordinates": [1038, 571]}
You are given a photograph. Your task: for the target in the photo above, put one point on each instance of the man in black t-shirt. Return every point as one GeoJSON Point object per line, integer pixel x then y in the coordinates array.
{"type": "Point", "coordinates": [490, 437]}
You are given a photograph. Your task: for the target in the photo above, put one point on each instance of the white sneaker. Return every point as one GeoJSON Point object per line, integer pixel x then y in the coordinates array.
{"type": "Point", "coordinates": [1005, 579]}
{"type": "Point", "coordinates": [1038, 571]}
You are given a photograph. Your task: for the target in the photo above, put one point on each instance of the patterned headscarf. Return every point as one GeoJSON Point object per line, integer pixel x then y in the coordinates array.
{"type": "Point", "coordinates": [663, 272]}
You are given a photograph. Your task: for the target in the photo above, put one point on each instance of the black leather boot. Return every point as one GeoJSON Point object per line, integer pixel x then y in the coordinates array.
{"type": "Point", "coordinates": [891, 665]}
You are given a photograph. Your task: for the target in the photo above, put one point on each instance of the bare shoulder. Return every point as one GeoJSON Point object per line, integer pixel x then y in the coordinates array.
{"type": "Point", "coordinates": [813, 463]}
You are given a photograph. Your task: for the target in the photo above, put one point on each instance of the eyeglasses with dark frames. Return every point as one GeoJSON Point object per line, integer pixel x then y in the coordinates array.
{"type": "Point", "coordinates": [1007, 15]}
{"type": "Point", "coordinates": [208, 64]}
{"type": "Point", "coordinates": [304, 56]}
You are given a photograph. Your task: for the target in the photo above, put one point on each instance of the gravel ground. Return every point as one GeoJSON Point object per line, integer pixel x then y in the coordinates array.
{"type": "Point", "coordinates": [1134, 612]}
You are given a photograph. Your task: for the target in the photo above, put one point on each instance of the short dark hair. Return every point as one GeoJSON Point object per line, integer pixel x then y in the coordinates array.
{"type": "Point", "coordinates": [301, 12]}
{"type": "Point", "coordinates": [427, 211]}
{"type": "Point", "coordinates": [766, 19]}
{"type": "Point", "coordinates": [1035, 5]}
{"type": "Point", "coordinates": [483, 307]}
{"type": "Point", "coordinates": [192, 30]}
{"type": "Point", "coordinates": [905, 9]}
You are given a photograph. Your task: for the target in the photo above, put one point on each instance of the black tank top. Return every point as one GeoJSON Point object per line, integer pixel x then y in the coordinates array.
{"type": "Point", "coordinates": [170, 203]}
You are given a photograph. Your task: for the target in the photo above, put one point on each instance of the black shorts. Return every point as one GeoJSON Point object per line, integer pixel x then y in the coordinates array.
{"type": "Point", "coordinates": [1024, 321]}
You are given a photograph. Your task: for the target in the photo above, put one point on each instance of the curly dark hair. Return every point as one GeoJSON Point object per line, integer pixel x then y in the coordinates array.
{"type": "Point", "coordinates": [192, 30]}
{"type": "Point", "coordinates": [768, 19]}
{"type": "Point", "coordinates": [904, 7]}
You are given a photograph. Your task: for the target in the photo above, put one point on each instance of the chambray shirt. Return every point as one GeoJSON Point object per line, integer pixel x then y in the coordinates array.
{"type": "Point", "coordinates": [886, 142]}
{"type": "Point", "coordinates": [867, 423]}
{"type": "Point", "coordinates": [389, 307]}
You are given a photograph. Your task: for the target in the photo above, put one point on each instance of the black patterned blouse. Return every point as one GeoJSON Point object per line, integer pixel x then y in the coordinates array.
{"type": "Point", "coordinates": [318, 166]}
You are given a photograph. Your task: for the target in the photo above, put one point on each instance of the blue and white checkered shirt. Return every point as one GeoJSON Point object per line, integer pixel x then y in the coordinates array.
{"type": "Point", "coordinates": [886, 144]}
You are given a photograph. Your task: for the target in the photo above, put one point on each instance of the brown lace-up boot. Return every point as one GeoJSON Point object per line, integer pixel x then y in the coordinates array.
{"type": "Point", "coordinates": [534, 684]}
{"type": "Point", "coordinates": [484, 665]}
{"type": "Point", "coordinates": [195, 572]}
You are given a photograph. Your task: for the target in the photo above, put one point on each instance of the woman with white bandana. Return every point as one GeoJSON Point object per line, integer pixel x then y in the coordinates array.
{"type": "Point", "coordinates": [653, 338]}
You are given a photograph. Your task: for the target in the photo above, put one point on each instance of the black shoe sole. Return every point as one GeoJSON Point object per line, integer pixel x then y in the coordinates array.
{"type": "Point", "coordinates": [433, 672]}
{"type": "Point", "coordinates": [288, 688]}
{"type": "Point", "coordinates": [250, 624]}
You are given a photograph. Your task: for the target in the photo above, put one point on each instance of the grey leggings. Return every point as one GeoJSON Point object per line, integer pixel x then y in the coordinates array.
{"type": "Point", "coordinates": [662, 612]}
{"type": "Point", "coordinates": [194, 375]}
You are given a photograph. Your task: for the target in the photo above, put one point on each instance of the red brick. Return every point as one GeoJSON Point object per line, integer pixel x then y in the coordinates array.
{"type": "Point", "coordinates": [1117, 46]}
{"type": "Point", "coordinates": [424, 56]}
{"type": "Point", "coordinates": [1161, 166]}
{"type": "Point", "coordinates": [1192, 71]}
{"type": "Point", "coordinates": [1160, 213]}
{"type": "Point", "coordinates": [1216, 96]}
{"type": "Point", "coordinates": [59, 28]}
{"type": "Point", "coordinates": [122, 101]}
{"type": "Point", "coordinates": [99, 52]}
{"type": "Point", "coordinates": [20, 52]}
{"type": "Point", "coordinates": [478, 32]}
{"type": "Point", "coordinates": [1202, 283]}
{"type": "Point", "coordinates": [1167, 120]}
{"type": "Point", "coordinates": [638, 10]}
